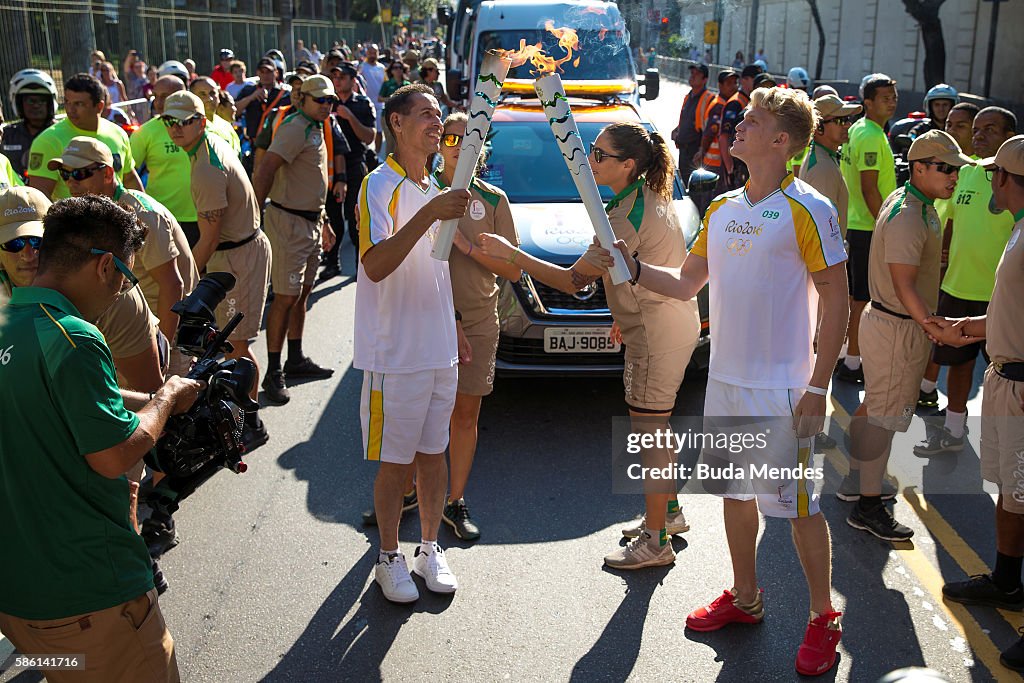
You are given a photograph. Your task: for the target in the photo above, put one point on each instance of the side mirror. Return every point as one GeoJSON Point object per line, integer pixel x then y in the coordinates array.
{"type": "Point", "coordinates": [456, 85]}
{"type": "Point", "coordinates": [444, 15]}
{"type": "Point", "coordinates": [652, 84]}
{"type": "Point", "coordinates": [701, 188]}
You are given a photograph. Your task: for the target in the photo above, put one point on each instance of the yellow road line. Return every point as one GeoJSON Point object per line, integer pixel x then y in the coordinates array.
{"type": "Point", "coordinates": [928, 575]}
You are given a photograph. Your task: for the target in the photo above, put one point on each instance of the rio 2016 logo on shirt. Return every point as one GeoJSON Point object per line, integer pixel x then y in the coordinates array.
{"type": "Point", "coordinates": [743, 228]}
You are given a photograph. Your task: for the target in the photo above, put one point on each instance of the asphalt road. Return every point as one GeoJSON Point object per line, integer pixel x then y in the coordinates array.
{"type": "Point", "coordinates": [273, 577]}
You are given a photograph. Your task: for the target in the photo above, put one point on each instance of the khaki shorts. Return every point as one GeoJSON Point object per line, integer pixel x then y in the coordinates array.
{"type": "Point", "coordinates": [477, 377]}
{"type": "Point", "coordinates": [250, 264]}
{"type": "Point", "coordinates": [295, 243]}
{"type": "Point", "coordinates": [127, 642]}
{"type": "Point", "coordinates": [1002, 438]}
{"type": "Point", "coordinates": [652, 381]}
{"type": "Point", "coordinates": [895, 354]}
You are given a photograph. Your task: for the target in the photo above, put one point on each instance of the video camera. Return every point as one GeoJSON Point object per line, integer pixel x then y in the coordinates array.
{"type": "Point", "coordinates": [198, 443]}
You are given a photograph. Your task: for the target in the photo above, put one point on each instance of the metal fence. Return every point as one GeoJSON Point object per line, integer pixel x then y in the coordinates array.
{"type": "Point", "coordinates": [59, 35]}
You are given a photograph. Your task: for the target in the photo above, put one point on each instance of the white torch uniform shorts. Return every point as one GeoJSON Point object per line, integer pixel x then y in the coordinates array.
{"type": "Point", "coordinates": [403, 414]}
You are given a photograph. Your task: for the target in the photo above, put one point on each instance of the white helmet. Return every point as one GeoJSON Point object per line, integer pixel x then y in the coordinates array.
{"type": "Point", "coordinates": [31, 81]}
{"type": "Point", "coordinates": [173, 67]}
{"type": "Point", "coordinates": [798, 78]}
{"type": "Point", "coordinates": [761, 63]}
{"type": "Point", "coordinates": [942, 91]}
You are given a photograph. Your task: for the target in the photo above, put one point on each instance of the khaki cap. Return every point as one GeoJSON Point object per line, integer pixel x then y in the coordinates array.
{"type": "Point", "coordinates": [942, 146]}
{"type": "Point", "coordinates": [1010, 156]}
{"type": "Point", "coordinates": [830, 106]}
{"type": "Point", "coordinates": [21, 212]}
{"type": "Point", "coordinates": [83, 151]}
{"type": "Point", "coordinates": [183, 105]}
{"type": "Point", "coordinates": [318, 86]}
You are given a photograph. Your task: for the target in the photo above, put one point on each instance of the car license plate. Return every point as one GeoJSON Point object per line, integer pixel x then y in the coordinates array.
{"type": "Point", "coordinates": [579, 340]}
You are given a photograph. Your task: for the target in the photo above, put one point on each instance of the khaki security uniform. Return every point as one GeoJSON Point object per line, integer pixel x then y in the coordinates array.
{"type": "Point", "coordinates": [475, 288]}
{"type": "Point", "coordinates": [130, 327]}
{"type": "Point", "coordinates": [821, 171]}
{"type": "Point", "coordinates": [220, 182]}
{"type": "Point", "coordinates": [294, 219]}
{"type": "Point", "coordinates": [894, 349]}
{"type": "Point", "coordinates": [1002, 420]}
{"type": "Point", "coordinates": [659, 332]}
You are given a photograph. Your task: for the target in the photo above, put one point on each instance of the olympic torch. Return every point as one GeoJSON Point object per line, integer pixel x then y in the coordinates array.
{"type": "Point", "coordinates": [488, 88]}
{"type": "Point", "coordinates": [563, 125]}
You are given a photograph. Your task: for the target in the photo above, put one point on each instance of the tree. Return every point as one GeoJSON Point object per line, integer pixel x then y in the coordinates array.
{"type": "Point", "coordinates": [926, 13]}
{"type": "Point", "coordinates": [821, 37]}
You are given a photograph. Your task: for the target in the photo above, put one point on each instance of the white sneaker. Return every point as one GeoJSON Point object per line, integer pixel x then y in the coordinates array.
{"type": "Point", "coordinates": [674, 524]}
{"type": "Point", "coordinates": [433, 568]}
{"type": "Point", "coordinates": [393, 576]}
{"type": "Point", "coordinates": [641, 552]}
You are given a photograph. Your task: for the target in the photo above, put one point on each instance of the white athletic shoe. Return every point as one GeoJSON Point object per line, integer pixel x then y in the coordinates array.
{"type": "Point", "coordinates": [641, 552]}
{"type": "Point", "coordinates": [675, 524]}
{"type": "Point", "coordinates": [395, 582]}
{"type": "Point", "coordinates": [433, 568]}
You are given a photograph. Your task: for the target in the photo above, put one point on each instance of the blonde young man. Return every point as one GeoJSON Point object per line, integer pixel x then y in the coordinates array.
{"type": "Point", "coordinates": [777, 240]}
{"type": "Point", "coordinates": [903, 277]}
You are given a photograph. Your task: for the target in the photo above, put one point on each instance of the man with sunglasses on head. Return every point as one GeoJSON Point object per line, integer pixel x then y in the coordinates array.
{"type": "Point", "coordinates": [903, 277]}
{"type": "Point", "coordinates": [77, 578]}
{"type": "Point", "coordinates": [357, 118]}
{"type": "Point", "coordinates": [294, 174]}
{"type": "Point", "coordinates": [83, 102]}
{"type": "Point", "coordinates": [230, 239]}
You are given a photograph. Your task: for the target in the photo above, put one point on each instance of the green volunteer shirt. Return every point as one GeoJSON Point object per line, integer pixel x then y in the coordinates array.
{"type": "Point", "coordinates": [8, 178]}
{"type": "Point", "coordinates": [867, 150]}
{"type": "Point", "coordinates": [223, 129]}
{"type": "Point", "coordinates": [68, 545]}
{"type": "Point", "coordinates": [51, 142]}
{"type": "Point", "coordinates": [170, 173]}
{"type": "Point", "coordinates": [979, 237]}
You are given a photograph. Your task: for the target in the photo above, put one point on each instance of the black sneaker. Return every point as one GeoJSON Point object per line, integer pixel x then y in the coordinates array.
{"type": "Point", "coordinates": [938, 442]}
{"type": "Point", "coordinates": [824, 442]}
{"type": "Point", "coordinates": [849, 487]}
{"type": "Point", "coordinates": [980, 589]}
{"type": "Point", "coordinates": [254, 437]}
{"type": "Point", "coordinates": [929, 399]}
{"type": "Point", "coordinates": [1013, 656]}
{"type": "Point", "coordinates": [409, 502]}
{"type": "Point", "coordinates": [159, 582]}
{"type": "Point", "coordinates": [328, 273]}
{"type": "Point", "coordinates": [879, 522]}
{"type": "Point", "coordinates": [847, 375]}
{"type": "Point", "coordinates": [306, 368]}
{"type": "Point", "coordinates": [456, 515]}
{"type": "Point", "coordinates": [274, 387]}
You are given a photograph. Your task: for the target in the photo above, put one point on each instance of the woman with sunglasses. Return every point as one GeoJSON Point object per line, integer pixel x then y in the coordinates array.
{"type": "Point", "coordinates": [659, 333]}
{"type": "Point", "coordinates": [475, 293]}
{"type": "Point", "coordinates": [430, 73]}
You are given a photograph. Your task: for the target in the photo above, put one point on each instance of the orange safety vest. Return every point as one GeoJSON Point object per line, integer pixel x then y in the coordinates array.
{"type": "Point", "coordinates": [713, 156]}
{"type": "Point", "coordinates": [328, 139]}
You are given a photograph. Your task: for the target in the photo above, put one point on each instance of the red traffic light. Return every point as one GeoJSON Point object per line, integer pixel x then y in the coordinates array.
{"type": "Point", "coordinates": [664, 20]}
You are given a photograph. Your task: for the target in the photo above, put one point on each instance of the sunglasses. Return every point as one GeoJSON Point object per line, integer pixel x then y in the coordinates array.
{"type": "Point", "coordinates": [451, 139]}
{"type": "Point", "coordinates": [942, 167]}
{"type": "Point", "coordinates": [842, 120]}
{"type": "Point", "coordinates": [18, 243]}
{"type": "Point", "coordinates": [129, 276]}
{"type": "Point", "coordinates": [600, 155]}
{"type": "Point", "coordinates": [326, 99]}
{"type": "Point", "coordinates": [990, 173]}
{"type": "Point", "coordinates": [78, 174]}
{"type": "Point", "coordinates": [172, 122]}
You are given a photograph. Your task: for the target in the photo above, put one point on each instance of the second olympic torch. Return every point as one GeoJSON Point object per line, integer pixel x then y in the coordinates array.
{"type": "Point", "coordinates": [488, 89]}
{"type": "Point", "coordinates": [563, 125]}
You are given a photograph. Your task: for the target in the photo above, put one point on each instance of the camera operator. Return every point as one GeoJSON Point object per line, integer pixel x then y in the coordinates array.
{"type": "Point", "coordinates": [230, 239]}
{"type": "Point", "coordinates": [69, 499]}
{"type": "Point", "coordinates": [164, 266]}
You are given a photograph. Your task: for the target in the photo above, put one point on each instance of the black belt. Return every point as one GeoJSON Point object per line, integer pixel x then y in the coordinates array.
{"type": "Point", "coordinates": [1011, 371]}
{"type": "Point", "coordinates": [879, 307]}
{"type": "Point", "coordinates": [311, 216]}
{"type": "Point", "coordinates": [225, 246]}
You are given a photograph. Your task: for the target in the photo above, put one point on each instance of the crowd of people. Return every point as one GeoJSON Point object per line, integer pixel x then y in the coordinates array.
{"type": "Point", "coordinates": [260, 177]}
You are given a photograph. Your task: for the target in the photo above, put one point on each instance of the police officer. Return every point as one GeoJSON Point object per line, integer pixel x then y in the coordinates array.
{"type": "Point", "coordinates": [938, 102]}
{"type": "Point", "coordinates": [294, 173]}
{"type": "Point", "coordinates": [33, 99]}
{"type": "Point", "coordinates": [230, 239]}
{"type": "Point", "coordinates": [357, 118]}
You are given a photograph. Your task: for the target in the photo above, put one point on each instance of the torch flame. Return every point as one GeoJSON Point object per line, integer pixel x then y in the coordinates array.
{"type": "Point", "coordinates": [544, 63]}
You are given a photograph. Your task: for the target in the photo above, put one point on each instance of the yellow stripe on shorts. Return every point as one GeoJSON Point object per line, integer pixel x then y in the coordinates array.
{"type": "Point", "coordinates": [376, 431]}
{"type": "Point", "coordinates": [802, 499]}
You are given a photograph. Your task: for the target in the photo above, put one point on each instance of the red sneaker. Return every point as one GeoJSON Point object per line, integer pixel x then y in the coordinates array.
{"type": "Point", "coordinates": [817, 654]}
{"type": "Point", "coordinates": [723, 611]}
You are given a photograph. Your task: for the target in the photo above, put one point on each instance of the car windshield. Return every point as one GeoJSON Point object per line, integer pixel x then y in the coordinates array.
{"type": "Point", "coordinates": [526, 163]}
{"type": "Point", "coordinates": [603, 54]}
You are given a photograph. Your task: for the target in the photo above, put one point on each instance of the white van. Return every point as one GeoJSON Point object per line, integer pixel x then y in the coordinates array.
{"type": "Point", "coordinates": [605, 64]}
